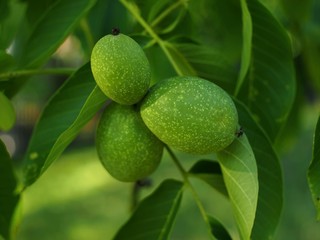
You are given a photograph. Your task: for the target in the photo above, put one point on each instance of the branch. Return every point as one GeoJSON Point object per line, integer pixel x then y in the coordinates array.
{"type": "Point", "coordinates": [133, 9]}
{"type": "Point", "coordinates": [22, 73]}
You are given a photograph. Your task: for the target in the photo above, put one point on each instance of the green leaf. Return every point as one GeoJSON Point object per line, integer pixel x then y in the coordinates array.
{"type": "Point", "coordinates": [217, 24]}
{"type": "Point", "coordinates": [164, 16]}
{"type": "Point", "coordinates": [155, 215]}
{"type": "Point", "coordinates": [209, 172]}
{"type": "Point", "coordinates": [173, 23]}
{"type": "Point", "coordinates": [240, 175]}
{"type": "Point", "coordinates": [6, 62]}
{"type": "Point", "coordinates": [36, 9]}
{"type": "Point", "coordinates": [73, 105]}
{"type": "Point", "coordinates": [4, 9]}
{"type": "Point", "coordinates": [103, 16]}
{"type": "Point", "coordinates": [314, 170]}
{"type": "Point", "coordinates": [270, 87]}
{"type": "Point", "coordinates": [178, 60]}
{"type": "Point", "coordinates": [157, 11]}
{"type": "Point", "coordinates": [51, 30]}
{"type": "Point", "coordinates": [297, 11]}
{"type": "Point", "coordinates": [11, 15]}
{"type": "Point", "coordinates": [269, 174]}
{"type": "Point", "coordinates": [9, 198]}
{"type": "Point", "coordinates": [311, 57]}
{"type": "Point", "coordinates": [157, 58]}
{"type": "Point", "coordinates": [218, 230]}
{"type": "Point", "coordinates": [209, 64]}
{"type": "Point", "coordinates": [246, 44]}
{"type": "Point", "coordinates": [7, 113]}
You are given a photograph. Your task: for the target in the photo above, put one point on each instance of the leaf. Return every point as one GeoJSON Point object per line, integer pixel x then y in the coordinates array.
{"type": "Point", "coordinates": [155, 215]}
{"type": "Point", "coordinates": [297, 11]}
{"type": "Point", "coordinates": [73, 105]}
{"type": "Point", "coordinates": [209, 64]}
{"type": "Point", "coordinates": [311, 57]}
{"type": "Point", "coordinates": [218, 230]}
{"type": "Point", "coordinates": [217, 25]}
{"type": "Point", "coordinates": [178, 61]}
{"type": "Point", "coordinates": [172, 23]}
{"type": "Point", "coordinates": [246, 45]}
{"type": "Point", "coordinates": [209, 172]}
{"type": "Point", "coordinates": [164, 16]}
{"type": "Point", "coordinates": [9, 198]}
{"type": "Point", "coordinates": [157, 58]}
{"type": "Point", "coordinates": [156, 11]}
{"type": "Point", "coordinates": [6, 62]}
{"type": "Point", "coordinates": [314, 170]}
{"type": "Point", "coordinates": [4, 9]}
{"type": "Point", "coordinates": [269, 174]}
{"type": "Point", "coordinates": [103, 16]}
{"type": "Point", "coordinates": [239, 171]}
{"type": "Point", "coordinates": [37, 8]}
{"type": "Point", "coordinates": [7, 113]}
{"type": "Point", "coordinates": [270, 87]}
{"type": "Point", "coordinates": [11, 15]}
{"type": "Point", "coordinates": [51, 30]}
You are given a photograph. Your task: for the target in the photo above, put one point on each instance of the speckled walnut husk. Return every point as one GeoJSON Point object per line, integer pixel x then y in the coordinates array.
{"type": "Point", "coordinates": [120, 68]}
{"type": "Point", "coordinates": [126, 147]}
{"type": "Point", "coordinates": [190, 114]}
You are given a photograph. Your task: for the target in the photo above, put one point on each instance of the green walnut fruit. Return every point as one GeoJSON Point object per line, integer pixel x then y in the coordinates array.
{"type": "Point", "coordinates": [190, 114]}
{"type": "Point", "coordinates": [120, 68]}
{"type": "Point", "coordinates": [126, 147]}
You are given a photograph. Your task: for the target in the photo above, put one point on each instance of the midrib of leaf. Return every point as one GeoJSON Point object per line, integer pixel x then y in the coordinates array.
{"type": "Point", "coordinates": [240, 174]}
{"type": "Point", "coordinates": [271, 51]}
{"type": "Point", "coordinates": [133, 9]}
{"type": "Point", "coordinates": [169, 217]}
{"type": "Point", "coordinates": [269, 174]}
{"type": "Point", "coordinates": [246, 45]}
{"type": "Point", "coordinates": [166, 226]}
{"type": "Point", "coordinates": [155, 215]}
{"type": "Point", "coordinates": [68, 134]}
{"type": "Point", "coordinates": [239, 186]}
